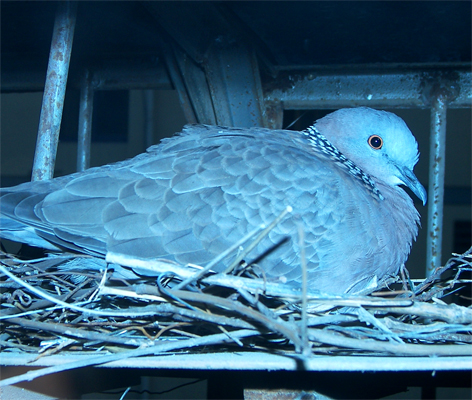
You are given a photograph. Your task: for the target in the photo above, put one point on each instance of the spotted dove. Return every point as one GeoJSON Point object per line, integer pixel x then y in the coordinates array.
{"type": "Point", "coordinates": [195, 194]}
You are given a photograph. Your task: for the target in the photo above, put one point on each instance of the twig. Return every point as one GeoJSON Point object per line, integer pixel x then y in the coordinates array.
{"type": "Point", "coordinates": [304, 327]}
{"type": "Point", "coordinates": [273, 311]}
{"type": "Point", "coordinates": [336, 339]}
{"type": "Point", "coordinates": [451, 313]}
{"type": "Point", "coordinates": [458, 259]}
{"type": "Point", "coordinates": [261, 236]}
{"type": "Point", "coordinates": [276, 326]}
{"type": "Point", "coordinates": [77, 333]}
{"type": "Point", "coordinates": [159, 348]}
{"type": "Point", "coordinates": [235, 246]}
{"type": "Point", "coordinates": [147, 291]}
{"type": "Point", "coordinates": [369, 318]}
{"type": "Point", "coordinates": [289, 292]}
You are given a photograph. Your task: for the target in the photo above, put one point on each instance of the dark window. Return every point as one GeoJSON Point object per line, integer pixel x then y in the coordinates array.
{"type": "Point", "coordinates": [110, 116]}
{"type": "Point", "coordinates": [462, 236]}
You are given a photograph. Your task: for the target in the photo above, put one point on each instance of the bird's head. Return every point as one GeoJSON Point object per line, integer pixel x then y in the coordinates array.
{"type": "Point", "coordinates": [378, 142]}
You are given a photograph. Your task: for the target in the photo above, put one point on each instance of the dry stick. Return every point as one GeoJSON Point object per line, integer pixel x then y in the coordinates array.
{"type": "Point", "coordinates": [451, 313]}
{"type": "Point", "coordinates": [261, 236]}
{"type": "Point", "coordinates": [166, 308]}
{"type": "Point", "coordinates": [6, 344]}
{"type": "Point", "coordinates": [336, 339]}
{"type": "Point", "coordinates": [38, 308]}
{"type": "Point", "coordinates": [278, 289]}
{"type": "Point", "coordinates": [202, 272]}
{"type": "Point", "coordinates": [50, 350]}
{"type": "Point", "coordinates": [282, 327]}
{"type": "Point", "coordinates": [235, 339]}
{"type": "Point", "coordinates": [440, 337]}
{"type": "Point", "coordinates": [436, 292]}
{"type": "Point", "coordinates": [435, 331]}
{"type": "Point", "coordinates": [109, 313]}
{"type": "Point", "coordinates": [367, 317]}
{"type": "Point", "coordinates": [401, 327]}
{"type": "Point", "coordinates": [143, 311]}
{"type": "Point", "coordinates": [152, 350]}
{"type": "Point", "coordinates": [55, 260]}
{"type": "Point", "coordinates": [254, 301]}
{"type": "Point", "coordinates": [301, 241]}
{"type": "Point", "coordinates": [42, 294]}
{"type": "Point", "coordinates": [72, 293]}
{"type": "Point", "coordinates": [460, 259]}
{"type": "Point", "coordinates": [76, 332]}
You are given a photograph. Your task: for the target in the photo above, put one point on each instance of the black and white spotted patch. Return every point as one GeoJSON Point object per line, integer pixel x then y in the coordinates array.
{"type": "Point", "coordinates": [320, 143]}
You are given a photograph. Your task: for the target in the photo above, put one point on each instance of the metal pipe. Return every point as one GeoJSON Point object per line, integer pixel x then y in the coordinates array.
{"type": "Point", "coordinates": [131, 75]}
{"type": "Point", "coordinates": [54, 91]}
{"type": "Point", "coordinates": [84, 137]}
{"type": "Point", "coordinates": [148, 117]}
{"type": "Point", "coordinates": [256, 361]}
{"type": "Point", "coordinates": [437, 164]}
{"type": "Point", "coordinates": [382, 89]}
{"type": "Point", "coordinates": [25, 76]}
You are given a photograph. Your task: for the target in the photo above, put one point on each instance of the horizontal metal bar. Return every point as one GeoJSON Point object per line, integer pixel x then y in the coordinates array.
{"type": "Point", "coordinates": [306, 90]}
{"type": "Point", "coordinates": [116, 75]}
{"type": "Point", "coordinates": [131, 76]}
{"type": "Point", "coordinates": [256, 361]}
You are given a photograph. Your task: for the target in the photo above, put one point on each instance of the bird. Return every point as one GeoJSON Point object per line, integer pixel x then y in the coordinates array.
{"type": "Point", "coordinates": [192, 196]}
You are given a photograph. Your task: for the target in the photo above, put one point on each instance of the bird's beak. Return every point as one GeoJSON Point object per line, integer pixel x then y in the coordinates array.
{"type": "Point", "coordinates": [410, 180]}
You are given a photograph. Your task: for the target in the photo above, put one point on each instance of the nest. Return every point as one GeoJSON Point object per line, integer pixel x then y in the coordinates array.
{"type": "Point", "coordinates": [69, 303]}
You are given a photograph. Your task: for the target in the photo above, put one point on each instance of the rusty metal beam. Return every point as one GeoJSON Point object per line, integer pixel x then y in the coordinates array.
{"type": "Point", "coordinates": [235, 85]}
{"type": "Point", "coordinates": [120, 74]}
{"type": "Point", "coordinates": [54, 91]}
{"type": "Point", "coordinates": [437, 168]}
{"type": "Point", "coordinates": [306, 90]}
{"type": "Point", "coordinates": [231, 84]}
{"type": "Point", "coordinates": [197, 87]}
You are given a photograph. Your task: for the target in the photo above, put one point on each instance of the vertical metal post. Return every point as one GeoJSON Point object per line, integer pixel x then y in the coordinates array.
{"type": "Point", "coordinates": [148, 117]}
{"type": "Point", "coordinates": [437, 165]}
{"type": "Point", "coordinates": [84, 136]}
{"type": "Point", "coordinates": [54, 91]}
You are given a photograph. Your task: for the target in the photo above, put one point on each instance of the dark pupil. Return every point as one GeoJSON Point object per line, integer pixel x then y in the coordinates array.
{"type": "Point", "coordinates": [375, 142]}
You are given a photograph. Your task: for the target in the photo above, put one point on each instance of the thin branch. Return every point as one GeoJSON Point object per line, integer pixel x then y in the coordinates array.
{"type": "Point", "coordinates": [65, 330]}
{"type": "Point", "coordinates": [159, 348]}
{"type": "Point", "coordinates": [261, 236]}
{"type": "Point", "coordinates": [451, 313]}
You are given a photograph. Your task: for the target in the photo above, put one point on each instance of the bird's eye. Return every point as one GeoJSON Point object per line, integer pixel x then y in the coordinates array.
{"type": "Point", "coordinates": [375, 142]}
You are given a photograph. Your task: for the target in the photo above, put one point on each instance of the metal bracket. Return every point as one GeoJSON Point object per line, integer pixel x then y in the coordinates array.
{"type": "Point", "coordinates": [216, 75]}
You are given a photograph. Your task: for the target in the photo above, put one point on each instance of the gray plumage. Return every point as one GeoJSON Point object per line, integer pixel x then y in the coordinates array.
{"type": "Point", "coordinates": [194, 195]}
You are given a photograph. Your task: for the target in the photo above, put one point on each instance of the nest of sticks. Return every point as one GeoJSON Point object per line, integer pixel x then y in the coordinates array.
{"type": "Point", "coordinates": [67, 303]}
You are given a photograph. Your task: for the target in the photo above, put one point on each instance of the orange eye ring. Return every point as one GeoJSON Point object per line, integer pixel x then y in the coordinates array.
{"type": "Point", "coordinates": [375, 141]}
